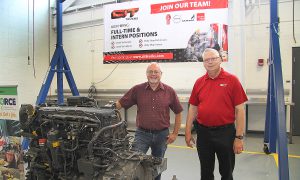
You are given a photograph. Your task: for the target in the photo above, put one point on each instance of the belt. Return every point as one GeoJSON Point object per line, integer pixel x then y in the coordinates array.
{"type": "Point", "coordinates": [151, 131]}
{"type": "Point", "coordinates": [216, 127]}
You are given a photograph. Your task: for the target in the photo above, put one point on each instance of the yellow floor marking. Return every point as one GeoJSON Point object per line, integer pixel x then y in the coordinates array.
{"type": "Point", "coordinates": [294, 156]}
{"type": "Point", "coordinates": [182, 147]}
{"type": "Point", "coordinates": [252, 152]}
{"type": "Point", "coordinates": [275, 155]}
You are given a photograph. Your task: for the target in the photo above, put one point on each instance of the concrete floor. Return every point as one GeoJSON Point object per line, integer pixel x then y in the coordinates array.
{"type": "Point", "coordinates": [253, 163]}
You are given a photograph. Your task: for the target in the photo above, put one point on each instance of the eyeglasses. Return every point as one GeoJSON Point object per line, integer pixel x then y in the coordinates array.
{"type": "Point", "coordinates": [153, 72]}
{"type": "Point", "coordinates": [210, 59]}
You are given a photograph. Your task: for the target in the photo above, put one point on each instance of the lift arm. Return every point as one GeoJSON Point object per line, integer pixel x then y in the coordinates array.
{"type": "Point", "coordinates": [59, 64]}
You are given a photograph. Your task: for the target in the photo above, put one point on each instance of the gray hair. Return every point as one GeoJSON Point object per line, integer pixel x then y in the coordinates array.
{"type": "Point", "coordinates": [156, 64]}
{"type": "Point", "coordinates": [210, 50]}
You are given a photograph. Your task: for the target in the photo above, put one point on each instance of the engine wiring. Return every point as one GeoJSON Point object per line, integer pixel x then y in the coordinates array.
{"type": "Point", "coordinates": [79, 141]}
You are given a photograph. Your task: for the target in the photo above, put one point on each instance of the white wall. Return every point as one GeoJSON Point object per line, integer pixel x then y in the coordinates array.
{"type": "Point", "coordinates": [14, 45]}
{"type": "Point", "coordinates": [83, 44]}
{"type": "Point", "coordinates": [257, 41]}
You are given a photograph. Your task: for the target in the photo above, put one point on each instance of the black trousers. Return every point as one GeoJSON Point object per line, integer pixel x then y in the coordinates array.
{"type": "Point", "coordinates": [216, 141]}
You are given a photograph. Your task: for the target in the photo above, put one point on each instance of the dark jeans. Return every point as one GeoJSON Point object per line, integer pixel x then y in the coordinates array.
{"type": "Point", "coordinates": [157, 141]}
{"type": "Point", "coordinates": [217, 141]}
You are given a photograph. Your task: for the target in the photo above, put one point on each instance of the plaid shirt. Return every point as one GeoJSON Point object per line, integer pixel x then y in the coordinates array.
{"type": "Point", "coordinates": [153, 107]}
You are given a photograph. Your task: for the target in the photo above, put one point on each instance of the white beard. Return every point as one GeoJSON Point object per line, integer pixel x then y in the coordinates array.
{"type": "Point", "coordinates": [153, 81]}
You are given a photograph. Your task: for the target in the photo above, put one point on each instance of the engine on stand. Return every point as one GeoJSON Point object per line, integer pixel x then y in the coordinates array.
{"type": "Point", "coordinates": [82, 141]}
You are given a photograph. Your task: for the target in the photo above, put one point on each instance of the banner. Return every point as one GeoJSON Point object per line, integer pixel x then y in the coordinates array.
{"type": "Point", "coordinates": [11, 156]}
{"type": "Point", "coordinates": [9, 103]}
{"type": "Point", "coordinates": [177, 31]}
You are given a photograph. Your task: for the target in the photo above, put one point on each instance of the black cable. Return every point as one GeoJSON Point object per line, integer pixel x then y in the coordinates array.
{"type": "Point", "coordinates": [107, 75]}
{"type": "Point", "coordinates": [49, 25]}
{"type": "Point", "coordinates": [33, 44]}
{"type": "Point", "coordinates": [28, 29]}
{"type": "Point", "coordinates": [294, 21]}
{"type": "Point", "coordinates": [49, 41]}
{"type": "Point", "coordinates": [98, 133]}
{"type": "Point", "coordinates": [72, 148]}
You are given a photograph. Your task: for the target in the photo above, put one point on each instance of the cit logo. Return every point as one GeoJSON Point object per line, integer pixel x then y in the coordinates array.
{"type": "Point", "coordinates": [123, 13]}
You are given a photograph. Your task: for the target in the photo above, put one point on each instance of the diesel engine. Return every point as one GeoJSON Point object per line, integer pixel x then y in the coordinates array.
{"type": "Point", "coordinates": [82, 141]}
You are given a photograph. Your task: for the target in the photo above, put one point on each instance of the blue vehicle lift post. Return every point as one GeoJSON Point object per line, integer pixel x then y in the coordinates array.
{"type": "Point", "coordinates": [275, 125]}
{"type": "Point", "coordinates": [58, 64]}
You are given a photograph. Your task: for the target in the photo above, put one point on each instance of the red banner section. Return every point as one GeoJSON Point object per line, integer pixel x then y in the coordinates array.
{"type": "Point", "coordinates": [188, 5]}
{"type": "Point", "coordinates": [138, 57]}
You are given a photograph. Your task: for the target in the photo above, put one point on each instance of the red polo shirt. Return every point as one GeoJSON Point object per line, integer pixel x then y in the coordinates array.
{"type": "Point", "coordinates": [216, 98]}
{"type": "Point", "coordinates": [153, 107]}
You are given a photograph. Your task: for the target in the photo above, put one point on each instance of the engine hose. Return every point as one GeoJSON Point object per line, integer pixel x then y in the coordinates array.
{"type": "Point", "coordinates": [118, 114]}
{"type": "Point", "coordinates": [108, 149]}
{"type": "Point", "coordinates": [101, 166]}
{"type": "Point", "coordinates": [135, 156]}
{"type": "Point", "coordinates": [98, 133]}
{"type": "Point", "coordinates": [70, 150]}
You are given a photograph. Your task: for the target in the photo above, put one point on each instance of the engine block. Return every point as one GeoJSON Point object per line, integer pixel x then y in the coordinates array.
{"type": "Point", "coordinates": [82, 141]}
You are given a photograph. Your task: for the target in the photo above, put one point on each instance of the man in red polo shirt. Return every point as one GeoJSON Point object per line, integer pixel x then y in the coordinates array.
{"type": "Point", "coordinates": [154, 100]}
{"type": "Point", "coordinates": [217, 102]}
